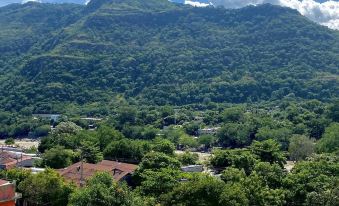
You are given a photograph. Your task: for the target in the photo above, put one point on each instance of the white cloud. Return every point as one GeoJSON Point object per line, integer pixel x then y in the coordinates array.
{"type": "Point", "coordinates": [25, 1]}
{"type": "Point", "coordinates": [196, 4]}
{"type": "Point", "coordinates": [326, 13]}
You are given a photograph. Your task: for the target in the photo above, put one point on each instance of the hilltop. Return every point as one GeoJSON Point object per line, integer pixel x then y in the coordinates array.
{"type": "Point", "coordinates": [156, 53]}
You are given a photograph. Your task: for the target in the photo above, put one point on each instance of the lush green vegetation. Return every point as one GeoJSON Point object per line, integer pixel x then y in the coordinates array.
{"type": "Point", "coordinates": [248, 179]}
{"type": "Point", "coordinates": [254, 173]}
{"type": "Point", "coordinates": [264, 79]}
{"type": "Point", "coordinates": [155, 52]}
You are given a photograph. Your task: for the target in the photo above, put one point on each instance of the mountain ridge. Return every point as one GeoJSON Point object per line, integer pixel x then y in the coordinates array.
{"type": "Point", "coordinates": [176, 55]}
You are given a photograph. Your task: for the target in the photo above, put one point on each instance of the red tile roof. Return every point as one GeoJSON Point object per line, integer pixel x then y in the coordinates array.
{"type": "Point", "coordinates": [117, 169]}
{"type": "Point", "coordinates": [9, 160]}
{"type": "Point", "coordinates": [2, 182]}
{"type": "Point", "coordinates": [6, 157]}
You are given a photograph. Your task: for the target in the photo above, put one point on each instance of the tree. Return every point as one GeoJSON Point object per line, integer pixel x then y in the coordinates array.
{"type": "Point", "coordinates": [156, 183]}
{"type": "Point", "coordinates": [66, 128]}
{"type": "Point", "coordinates": [330, 140]}
{"type": "Point", "coordinates": [327, 197]}
{"type": "Point", "coordinates": [241, 159]}
{"type": "Point", "coordinates": [127, 114]}
{"type": "Point", "coordinates": [46, 188]}
{"type": "Point", "coordinates": [106, 135]}
{"type": "Point", "coordinates": [300, 147]}
{"type": "Point", "coordinates": [281, 135]}
{"type": "Point", "coordinates": [130, 150]}
{"type": "Point", "coordinates": [233, 175]}
{"type": "Point", "coordinates": [233, 114]}
{"type": "Point", "coordinates": [17, 174]}
{"type": "Point", "coordinates": [42, 131]}
{"type": "Point", "coordinates": [268, 151]}
{"type": "Point", "coordinates": [244, 160]}
{"type": "Point", "coordinates": [20, 130]}
{"type": "Point", "coordinates": [58, 157]}
{"type": "Point", "coordinates": [188, 141]}
{"type": "Point", "coordinates": [333, 111]}
{"type": "Point", "coordinates": [66, 134]}
{"type": "Point", "coordinates": [221, 158]}
{"type": "Point", "coordinates": [258, 193]}
{"type": "Point", "coordinates": [164, 146]}
{"type": "Point", "coordinates": [192, 128]}
{"type": "Point", "coordinates": [101, 190]}
{"type": "Point", "coordinates": [166, 111]}
{"type": "Point", "coordinates": [315, 179]}
{"type": "Point", "coordinates": [233, 195]}
{"type": "Point", "coordinates": [46, 143]}
{"type": "Point", "coordinates": [149, 133]}
{"type": "Point", "coordinates": [207, 140]}
{"type": "Point", "coordinates": [188, 158]}
{"type": "Point", "coordinates": [173, 134]}
{"type": "Point", "coordinates": [317, 127]}
{"type": "Point", "coordinates": [10, 141]}
{"type": "Point", "coordinates": [91, 152]}
{"type": "Point", "coordinates": [200, 190]}
{"type": "Point", "coordinates": [271, 174]}
{"type": "Point", "coordinates": [158, 160]}
{"type": "Point", "coordinates": [235, 135]}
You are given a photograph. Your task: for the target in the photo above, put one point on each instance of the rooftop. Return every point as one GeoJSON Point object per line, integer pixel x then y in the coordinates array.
{"type": "Point", "coordinates": [10, 159]}
{"type": "Point", "coordinates": [118, 170]}
{"type": "Point", "coordinates": [3, 182]}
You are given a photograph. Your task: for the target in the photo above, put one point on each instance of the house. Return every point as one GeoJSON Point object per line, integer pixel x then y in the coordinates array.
{"type": "Point", "coordinates": [9, 160]}
{"type": "Point", "coordinates": [94, 119]}
{"type": "Point", "coordinates": [36, 170]}
{"type": "Point", "coordinates": [80, 172]}
{"type": "Point", "coordinates": [193, 168]}
{"type": "Point", "coordinates": [50, 117]}
{"type": "Point", "coordinates": [8, 196]}
{"type": "Point", "coordinates": [212, 130]}
{"type": "Point", "coordinates": [91, 122]}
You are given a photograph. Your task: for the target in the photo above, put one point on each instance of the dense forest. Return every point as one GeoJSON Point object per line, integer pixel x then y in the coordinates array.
{"type": "Point", "coordinates": [156, 75]}
{"type": "Point", "coordinates": [158, 53]}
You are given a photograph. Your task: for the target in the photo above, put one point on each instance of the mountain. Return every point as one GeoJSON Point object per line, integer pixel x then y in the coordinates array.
{"type": "Point", "coordinates": [153, 52]}
{"type": "Point", "coordinates": [7, 2]}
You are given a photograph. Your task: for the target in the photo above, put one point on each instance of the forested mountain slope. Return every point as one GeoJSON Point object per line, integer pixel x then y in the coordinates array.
{"type": "Point", "coordinates": [161, 53]}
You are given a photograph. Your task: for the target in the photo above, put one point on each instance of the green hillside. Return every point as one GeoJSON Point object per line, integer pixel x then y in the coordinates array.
{"type": "Point", "coordinates": [155, 52]}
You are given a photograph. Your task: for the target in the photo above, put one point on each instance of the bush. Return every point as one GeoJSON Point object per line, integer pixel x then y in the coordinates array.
{"type": "Point", "coordinates": [10, 141]}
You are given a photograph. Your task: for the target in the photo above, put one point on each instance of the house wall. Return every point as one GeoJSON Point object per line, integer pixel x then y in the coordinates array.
{"type": "Point", "coordinates": [9, 203]}
{"type": "Point", "coordinates": [7, 195]}
{"type": "Point", "coordinates": [27, 163]}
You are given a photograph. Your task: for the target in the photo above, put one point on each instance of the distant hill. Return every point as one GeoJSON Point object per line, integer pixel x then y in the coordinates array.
{"type": "Point", "coordinates": [154, 52]}
{"type": "Point", "coordinates": [7, 2]}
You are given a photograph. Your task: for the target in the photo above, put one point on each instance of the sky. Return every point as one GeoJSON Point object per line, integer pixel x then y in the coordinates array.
{"type": "Point", "coordinates": [324, 12]}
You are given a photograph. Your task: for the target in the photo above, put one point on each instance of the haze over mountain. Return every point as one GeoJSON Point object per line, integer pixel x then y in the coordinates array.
{"type": "Point", "coordinates": [153, 52]}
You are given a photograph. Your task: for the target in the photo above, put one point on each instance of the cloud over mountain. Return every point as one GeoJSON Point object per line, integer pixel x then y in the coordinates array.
{"type": "Point", "coordinates": [325, 13]}
{"type": "Point", "coordinates": [25, 1]}
{"type": "Point", "coordinates": [321, 11]}
{"type": "Point", "coordinates": [197, 4]}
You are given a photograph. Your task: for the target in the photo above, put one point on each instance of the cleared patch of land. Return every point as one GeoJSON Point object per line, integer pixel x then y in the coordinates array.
{"type": "Point", "coordinates": [23, 143]}
{"type": "Point", "coordinates": [203, 157]}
